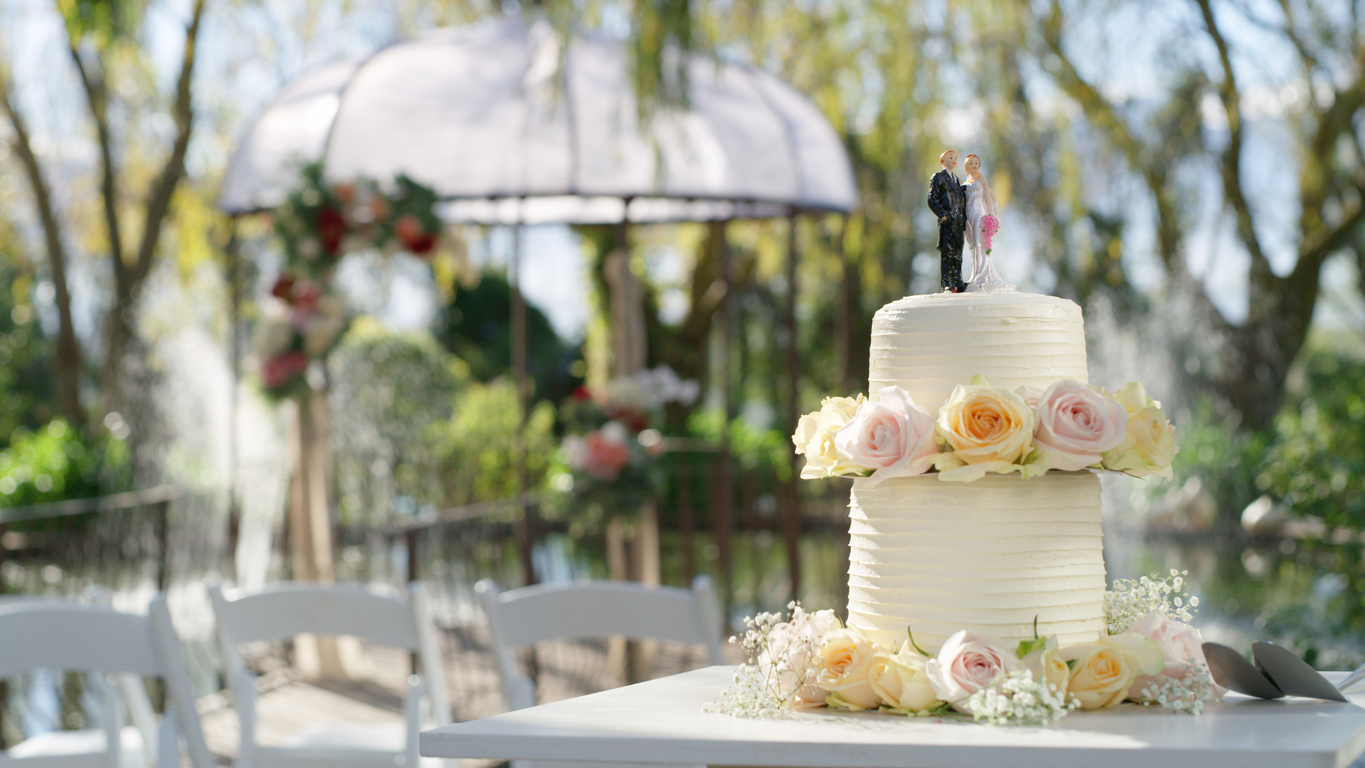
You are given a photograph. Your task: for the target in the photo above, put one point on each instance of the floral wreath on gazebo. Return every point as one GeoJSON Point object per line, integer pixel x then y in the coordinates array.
{"type": "Point", "coordinates": [317, 225]}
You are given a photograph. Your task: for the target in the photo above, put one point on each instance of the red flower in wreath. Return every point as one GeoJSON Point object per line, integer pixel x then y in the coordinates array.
{"type": "Point", "coordinates": [413, 235]}
{"type": "Point", "coordinates": [331, 229]}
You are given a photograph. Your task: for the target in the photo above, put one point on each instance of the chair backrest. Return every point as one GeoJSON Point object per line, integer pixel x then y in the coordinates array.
{"type": "Point", "coordinates": [286, 609]}
{"type": "Point", "coordinates": [594, 609]}
{"type": "Point", "coordinates": [70, 636]}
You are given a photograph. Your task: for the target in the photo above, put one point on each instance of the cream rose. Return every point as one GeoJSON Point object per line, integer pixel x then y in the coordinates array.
{"type": "Point", "coordinates": [1076, 424]}
{"type": "Point", "coordinates": [1181, 649]}
{"type": "Point", "coordinates": [275, 331]}
{"type": "Point", "coordinates": [789, 655]}
{"type": "Point", "coordinates": [901, 680]}
{"type": "Point", "coordinates": [988, 430]}
{"type": "Point", "coordinates": [967, 663]}
{"type": "Point", "coordinates": [1149, 445]}
{"type": "Point", "coordinates": [1031, 395]}
{"type": "Point", "coordinates": [846, 659]}
{"type": "Point", "coordinates": [1103, 671]}
{"type": "Point", "coordinates": [815, 438]}
{"type": "Point", "coordinates": [890, 435]}
{"type": "Point", "coordinates": [1047, 665]}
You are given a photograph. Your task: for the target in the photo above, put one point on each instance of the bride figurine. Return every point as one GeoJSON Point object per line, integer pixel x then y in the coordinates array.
{"type": "Point", "coordinates": [982, 223]}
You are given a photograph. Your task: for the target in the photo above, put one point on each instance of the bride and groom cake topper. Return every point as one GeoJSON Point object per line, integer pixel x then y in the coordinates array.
{"type": "Point", "coordinates": [965, 211]}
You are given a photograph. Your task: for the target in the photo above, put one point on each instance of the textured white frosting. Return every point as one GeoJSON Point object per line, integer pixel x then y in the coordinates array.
{"type": "Point", "coordinates": [991, 555]}
{"type": "Point", "coordinates": [929, 344]}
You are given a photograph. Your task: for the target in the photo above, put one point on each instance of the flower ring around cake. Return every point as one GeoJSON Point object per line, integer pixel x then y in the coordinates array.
{"type": "Point", "coordinates": [1151, 655]}
{"type": "Point", "coordinates": [1068, 427]}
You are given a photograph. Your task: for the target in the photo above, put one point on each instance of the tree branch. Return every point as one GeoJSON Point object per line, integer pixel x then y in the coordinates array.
{"type": "Point", "coordinates": [97, 98]}
{"type": "Point", "coordinates": [1262, 278]}
{"type": "Point", "coordinates": [159, 199]}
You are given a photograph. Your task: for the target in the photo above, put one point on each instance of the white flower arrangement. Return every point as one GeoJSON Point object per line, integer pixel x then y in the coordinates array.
{"type": "Point", "coordinates": [1068, 427]}
{"type": "Point", "coordinates": [811, 660]}
{"type": "Point", "coordinates": [1130, 599]}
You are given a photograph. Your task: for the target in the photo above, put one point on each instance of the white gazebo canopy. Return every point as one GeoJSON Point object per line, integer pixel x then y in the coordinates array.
{"type": "Point", "coordinates": [510, 125]}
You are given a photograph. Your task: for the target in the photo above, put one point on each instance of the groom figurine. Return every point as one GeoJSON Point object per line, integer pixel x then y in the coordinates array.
{"type": "Point", "coordinates": [948, 201]}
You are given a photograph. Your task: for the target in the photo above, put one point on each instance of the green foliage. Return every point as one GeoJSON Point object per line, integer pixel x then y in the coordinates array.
{"type": "Point", "coordinates": [25, 354]}
{"type": "Point", "coordinates": [386, 391]}
{"type": "Point", "coordinates": [476, 327]}
{"type": "Point", "coordinates": [1223, 457]}
{"type": "Point", "coordinates": [763, 453]}
{"type": "Point", "coordinates": [54, 463]}
{"type": "Point", "coordinates": [1316, 464]}
{"type": "Point", "coordinates": [476, 448]}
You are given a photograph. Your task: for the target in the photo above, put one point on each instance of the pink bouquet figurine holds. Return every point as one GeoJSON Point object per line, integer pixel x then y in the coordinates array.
{"type": "Point", "coordinates": [989, 226]}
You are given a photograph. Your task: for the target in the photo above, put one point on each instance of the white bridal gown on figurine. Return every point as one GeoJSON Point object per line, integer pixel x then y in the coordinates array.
{"type": "Point", "coordinates": [984, 276]}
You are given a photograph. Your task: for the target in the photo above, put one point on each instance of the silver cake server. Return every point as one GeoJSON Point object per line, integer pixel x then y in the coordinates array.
{"type": "Point", "coordinates": [1235, 673]}
{"type": "Point", "coordinates": [1291, 674]}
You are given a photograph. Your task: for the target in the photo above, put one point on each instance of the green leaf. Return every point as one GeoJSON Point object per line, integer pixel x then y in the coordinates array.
{"type": "Point", "coordinates": [915, 645]}
{"type": "Point", "coordinates": [1029, 646]}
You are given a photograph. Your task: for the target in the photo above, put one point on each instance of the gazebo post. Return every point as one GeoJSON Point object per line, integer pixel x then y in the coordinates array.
{"type": "Point", "coordinates": [520, 373]}
{"type": "Point", "coordinates": [234, 258]}
{"type": "Point", "coordinates": [723, 520]}
{"type": "Point", "coordinates": [793, 510]}
{"type": "Point", "coordinates": [844, 314]}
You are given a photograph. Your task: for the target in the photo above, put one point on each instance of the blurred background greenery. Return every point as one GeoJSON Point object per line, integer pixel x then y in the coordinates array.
{"type": "Point", "coordinates": [1189, 171]}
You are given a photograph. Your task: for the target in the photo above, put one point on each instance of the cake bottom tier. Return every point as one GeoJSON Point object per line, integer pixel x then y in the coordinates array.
{"type": "Point", "coordinates": [988, 556]}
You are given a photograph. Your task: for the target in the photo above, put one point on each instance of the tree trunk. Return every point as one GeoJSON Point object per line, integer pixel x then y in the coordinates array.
{"type": "Point", "coordinates": [67, 355]}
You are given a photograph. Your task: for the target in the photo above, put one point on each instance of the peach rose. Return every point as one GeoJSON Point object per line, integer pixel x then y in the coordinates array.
{"type": "Point", "coordinates": [1076, 424]}
{"type": "Point", "coordinates": [815, 438]}
{"type": "Point", "coordinates": [967, 663]}
{"type": "Point", "coordinates": [901, 680]}
{"type": "Point", "coordinates": [845, 662]}
{"type": "Point", "coordinates": [1103, 671]}
{"type": "Point", "coordinates": [988, 430]}
{"type": "Point", "coordinates": [890, 435]}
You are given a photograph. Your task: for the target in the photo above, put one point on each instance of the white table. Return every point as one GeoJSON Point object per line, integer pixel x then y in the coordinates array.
{"type": "Point", "coordinates": [662, 721]}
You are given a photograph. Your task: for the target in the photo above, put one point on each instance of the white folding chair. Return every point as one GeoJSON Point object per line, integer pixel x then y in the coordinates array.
{"type": "Point", "coordinates": [281, 611]}
{"type": "Point", "coordinates": [592, 609]}
{"type": "Point", "coordinates": [96, 640]}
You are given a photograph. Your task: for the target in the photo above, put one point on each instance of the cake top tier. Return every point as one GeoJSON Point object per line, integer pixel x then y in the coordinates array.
{"type": "Point", "coordinates": [929, 344]}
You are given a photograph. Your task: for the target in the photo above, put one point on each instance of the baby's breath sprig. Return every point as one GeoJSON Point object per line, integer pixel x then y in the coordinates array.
{"type": "Point", "coordinates": [1018, 699]}
{"type": "Point", "coordinates": [780, 660]}
{"type": "Point", "coordinates": [1187, 694]}
{"type": "Point", "coordinates": [1129, 600]}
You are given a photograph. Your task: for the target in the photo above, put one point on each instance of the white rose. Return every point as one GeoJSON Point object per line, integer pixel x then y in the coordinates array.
{"type": "Point", "coordinates": [1149, 446]}
{"type": "Point", "coordinates": [1076, 424]}
{"type": "Point", "coordinates": [890, 435]}
{"type": "Point", "coordinates": [275, 331]}
{"type": "Point", "coordinates": [326, 323]}
{"type": "Point", "coordinates": [901, 680]}
{"type": "Point", "coordinates": [967, 663]}
{"type": "Point", "coordinates": [1047, 665]}
{"type": "Point", "coordinates": [815, 438]}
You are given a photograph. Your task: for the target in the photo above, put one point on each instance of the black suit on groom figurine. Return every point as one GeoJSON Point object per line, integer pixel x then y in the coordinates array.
{"type": "Point", "coordinates": [948, 201]}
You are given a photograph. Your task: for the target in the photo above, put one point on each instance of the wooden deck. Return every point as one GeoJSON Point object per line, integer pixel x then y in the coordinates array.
{"type": "Point", "coordinates": [287, 703]}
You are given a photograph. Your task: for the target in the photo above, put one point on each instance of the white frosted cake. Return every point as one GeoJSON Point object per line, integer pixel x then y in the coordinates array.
{"type": "Point", "coordinates": [989, 555]}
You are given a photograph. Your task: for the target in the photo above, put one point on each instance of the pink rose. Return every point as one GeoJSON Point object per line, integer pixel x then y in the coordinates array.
{"type": "Point", "coordinates": [890, 435]}
{"type": "Point", "coordinates": [1076, 424]}
{"type": "Point", "coordinates": [1180, 644]}
{"type": "Point", "coordinates": [967, 663]}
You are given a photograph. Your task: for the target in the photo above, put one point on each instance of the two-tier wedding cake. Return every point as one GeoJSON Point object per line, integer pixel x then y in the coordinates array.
{"type": "Point", "coordinates": [991, 555]}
